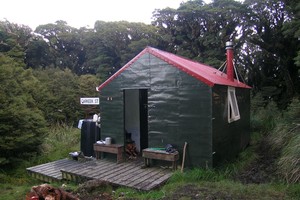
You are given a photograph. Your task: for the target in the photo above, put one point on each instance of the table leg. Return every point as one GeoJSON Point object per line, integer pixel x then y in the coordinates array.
{"type": "Point", "coordinates": [147, 162]}
{"type": "Point", "coordinates": [119, 156]}
{"type": "Point", "coordinates": [174, 165]}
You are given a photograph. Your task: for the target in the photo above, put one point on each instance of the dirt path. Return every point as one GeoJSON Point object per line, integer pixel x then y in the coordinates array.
{"type": "Point", "coordinates": [263, 169]}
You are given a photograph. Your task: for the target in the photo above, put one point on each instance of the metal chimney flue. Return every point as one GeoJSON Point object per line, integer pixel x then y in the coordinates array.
{"type": "Point", "coordinates": [229, 57]}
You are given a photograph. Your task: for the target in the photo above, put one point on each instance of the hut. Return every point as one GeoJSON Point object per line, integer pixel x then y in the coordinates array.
{"type": "Point", "coordinates": [161, 98]}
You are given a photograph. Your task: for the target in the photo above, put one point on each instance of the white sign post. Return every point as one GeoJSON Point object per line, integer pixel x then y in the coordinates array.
{"type": "Point", "coordinates": [89, 101]}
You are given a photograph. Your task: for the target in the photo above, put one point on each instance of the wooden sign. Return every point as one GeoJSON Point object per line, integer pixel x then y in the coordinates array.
{"type": "Point", "coordinates": [89, 101]}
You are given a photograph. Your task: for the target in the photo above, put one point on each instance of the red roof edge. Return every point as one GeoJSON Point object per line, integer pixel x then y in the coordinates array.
{"type": "Point", "coordinates": [162, 55]}
{"type": "Point", "coordinates": [175, 62]}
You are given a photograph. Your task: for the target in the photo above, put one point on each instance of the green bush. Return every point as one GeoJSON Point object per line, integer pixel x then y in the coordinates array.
{"type": "Point", "coordinates": [22, 126]}
{"type": "Point", "coordinates": [264, 115]}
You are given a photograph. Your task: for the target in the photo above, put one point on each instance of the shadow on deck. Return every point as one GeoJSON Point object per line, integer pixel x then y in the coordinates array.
{"type": "Point", "coordinates": [129, 174]}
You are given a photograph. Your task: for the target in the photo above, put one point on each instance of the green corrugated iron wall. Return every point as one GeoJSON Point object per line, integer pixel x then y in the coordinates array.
{"type": "Point", "coordinates": [195, 125]}
{"type": "Point", "coordinates": [111, 110]}
{"type": "Point", "coordinates": [182, 116]}
{"type": "Point", "coordinates": [179, 108]}
{"type": "Point", "coordinates": [229, 138]}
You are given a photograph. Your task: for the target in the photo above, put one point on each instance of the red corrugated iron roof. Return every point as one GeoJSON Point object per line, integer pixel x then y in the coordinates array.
{"type": "Point", "coordinates": [202, 72]}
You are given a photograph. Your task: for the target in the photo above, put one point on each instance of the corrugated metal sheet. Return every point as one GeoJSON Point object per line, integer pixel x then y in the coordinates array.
{"type": "Point", "coordinates": [202, 72]}
{"type": "Point", "coordinates": [195, 126]}
{"type": "Point", "coordinates": [138, 73]}
{"type": "Point", "coordinates": [229, 138]}
{"type": "Point", "coordinates": [180, 107]}
{"type": "Point", "coordinates": [112, 116]}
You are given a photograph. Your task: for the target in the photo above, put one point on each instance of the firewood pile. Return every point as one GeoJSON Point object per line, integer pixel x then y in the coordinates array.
{"type": "Point", "coordinates": [47, 192]}
{"type": "Point", "coordinates": [130, 147]}
{"type": "Point", "coordinates": [131, 151]}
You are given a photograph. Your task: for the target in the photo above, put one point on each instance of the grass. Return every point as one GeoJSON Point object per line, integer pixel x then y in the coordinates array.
{"type": "Point", "coordinates": [225, 189]}
{"type": "Point", "coordinates": [184, 189]}
{"type": "Point", "coordinates": [61, 141]}
{"type": "Point", "coordinates": [285, 137]}
{"type": "Point", "coordinates": [14, 184]}
{"type": "Point", "coordinates": [289, 162]}
{"type": "Point", "coordinates": [8, 191]}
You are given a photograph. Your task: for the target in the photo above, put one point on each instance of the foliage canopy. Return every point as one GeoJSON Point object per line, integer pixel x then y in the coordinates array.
{"type": "Point", "coordinates": [22, 126]}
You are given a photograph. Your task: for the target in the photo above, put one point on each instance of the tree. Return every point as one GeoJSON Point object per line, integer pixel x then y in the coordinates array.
{"type": "Point", "coordinates": [61, 91]}
{"type": "Point", "coordinates": [13, 39]}
{"type": "Point", "coordinates": [87, 88]}
{"type": "Point", "coordinates": [22, 125]}
{"type": "Point", "coordinates": [113, 44]}
{"type": "Point", "coordinates": [59, 102]}
{"type": "Point", "coordinates": [273, 70]}
{"type": "Point", "coordinates": [198, 30]}
{"type": "Point", "coordinates": [38, 53]}
{"type": "Point", "coordinates": [65, 49]}
{"type": "Point", "coordinates": [265, 33]}
{"type": "Point", "coordinates": [292, 30]}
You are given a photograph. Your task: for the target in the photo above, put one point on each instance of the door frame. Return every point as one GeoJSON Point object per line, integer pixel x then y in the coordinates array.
{"type": "Point", "coordinates": [142, 105]}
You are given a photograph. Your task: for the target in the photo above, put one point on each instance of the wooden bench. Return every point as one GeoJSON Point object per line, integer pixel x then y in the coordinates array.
{"type": "Point", "coordinates": [109, 148]}
{"type": "Point", "coordinates": [149, 154]}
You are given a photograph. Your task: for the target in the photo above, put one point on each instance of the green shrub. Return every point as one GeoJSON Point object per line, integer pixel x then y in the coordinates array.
{"type": "Point", "coordinates": [264, 115]}
{"type": "Point", "coordinates": [22, 124]}
{"type": "Point", "coordinates": [285, 137]}
{"type": "Point", "coordinates": [289, 162]}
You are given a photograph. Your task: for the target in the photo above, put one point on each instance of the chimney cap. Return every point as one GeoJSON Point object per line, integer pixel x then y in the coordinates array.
{"type": "Point", "coordinates": [229, 45]}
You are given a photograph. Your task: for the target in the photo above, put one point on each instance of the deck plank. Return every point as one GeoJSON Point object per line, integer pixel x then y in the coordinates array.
{"type": "Point", "coordinates": [128, 174]}
{"type": "Point", "coordinates": [111, 171]}
{"type": "Point", "coordinates": [152, 176]}
{"type": "Point", "coordinates": [124, 176]}
{"type": "Point", "coordinates": [118, 172]}
{"type": "Point", "coordinates": [144, 177]}
{"type": "Point", "coordinates": [135, 175]}
{"type": "Point", "coordinates": [91, 172]}
{"type": "Point", "coordinates": [100, 172]}
{"type": "Point", "coordinates": [157, 182]}
{"type": "Point", "coordinates": [149, 179]}
{"type": "Point", "coordinates": [50, 170]}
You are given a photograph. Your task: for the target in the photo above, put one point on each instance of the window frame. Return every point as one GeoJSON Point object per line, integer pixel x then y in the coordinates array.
{"type": "Point", "coordinates": [233, 108]}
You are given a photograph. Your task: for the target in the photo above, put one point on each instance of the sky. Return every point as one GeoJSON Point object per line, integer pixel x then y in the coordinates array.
{"type": "Point", "coordinates": [81, 13]}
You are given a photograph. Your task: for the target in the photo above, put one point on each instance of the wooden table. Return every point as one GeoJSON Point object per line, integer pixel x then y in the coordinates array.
{"type": "Point", "coordinates": [109, 148]}
{"type": "Point", "coordinates": [149, 154]}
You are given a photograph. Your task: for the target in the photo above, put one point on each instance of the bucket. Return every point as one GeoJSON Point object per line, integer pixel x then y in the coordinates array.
{"type": "Point", "coordinates": [108, 140]}
{"type": "Point", "coordinates": [95, 117]}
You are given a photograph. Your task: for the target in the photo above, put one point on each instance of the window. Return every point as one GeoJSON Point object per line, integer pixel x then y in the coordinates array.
{"type": "Point", "coordinates": [233, 109]}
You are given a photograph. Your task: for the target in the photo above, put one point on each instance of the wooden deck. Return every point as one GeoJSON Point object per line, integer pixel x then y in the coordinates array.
{"type": "Point", "coordinates": [128, 174]}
